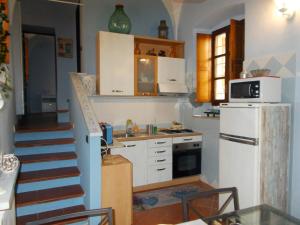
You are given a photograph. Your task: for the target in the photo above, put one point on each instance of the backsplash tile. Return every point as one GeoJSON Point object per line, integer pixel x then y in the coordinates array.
{"type": "Point", "coordinates": [282, 65]}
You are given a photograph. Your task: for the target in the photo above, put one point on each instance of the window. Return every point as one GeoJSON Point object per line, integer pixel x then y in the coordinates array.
{"type": "Point", "coordinates": [220, 57]}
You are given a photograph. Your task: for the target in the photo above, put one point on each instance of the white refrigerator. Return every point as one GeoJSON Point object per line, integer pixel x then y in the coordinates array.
{"type": "Point", "coordinates": [254, 152]}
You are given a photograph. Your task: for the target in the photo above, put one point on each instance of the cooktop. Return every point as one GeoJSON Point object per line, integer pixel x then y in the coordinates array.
{"type": "Point", "coordinates": [181, 131]}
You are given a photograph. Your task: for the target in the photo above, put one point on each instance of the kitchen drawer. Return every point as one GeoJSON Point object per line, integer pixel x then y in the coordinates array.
{"type": "Point", "coordinates": [166, 159]}
{"type": "Point", "coordinates": [159, 173]}
{"type": "Point", "coordinates": [187, 139]}
{"type": "Point", "coordinates": [154, 152]}
{"type": "Point", "coordinates": [159, 142]}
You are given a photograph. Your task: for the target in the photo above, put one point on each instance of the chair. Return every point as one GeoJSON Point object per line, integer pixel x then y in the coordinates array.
{"type": "Point", "coordinates": [106, 213]}
{"type": "Point", "coordinates": [187, 200]}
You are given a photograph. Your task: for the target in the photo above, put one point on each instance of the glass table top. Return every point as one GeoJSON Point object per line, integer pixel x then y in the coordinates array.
{"type": "Point", "coordinates": [258, 215]}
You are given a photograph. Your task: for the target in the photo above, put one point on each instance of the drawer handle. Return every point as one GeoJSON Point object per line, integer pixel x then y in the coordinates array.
{"type": "Point", "coordinates": [160, 142]}
{"type": "Point", "coordinates": [160, 151]}
{"type": "Point", "coordinates": [161, 160]}
{"type": "Point", "coordinates": [172, 80]}
{"type": "Point", "coordinates": [130, 146]}
{"type": "Point", "coordinates": [161, 169]}
{"type": "Point", "coordinates": [117, 91]}
{"type": "Point", "coordinates": [188, 139]}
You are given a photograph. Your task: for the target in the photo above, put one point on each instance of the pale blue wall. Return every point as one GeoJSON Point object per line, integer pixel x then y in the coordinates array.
{"type": "Point", "coordinates": [89, 156]}
{"type": "Point", "coordinates": [144, 15]}
{"type": "Point", "coordinates": [62, 18]}
{"type": "Point", "coordinates": [283, 36]}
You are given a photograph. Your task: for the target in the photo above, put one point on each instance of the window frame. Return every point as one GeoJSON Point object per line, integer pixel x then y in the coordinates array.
{"type": "Point", "coordinates": [214, 34]}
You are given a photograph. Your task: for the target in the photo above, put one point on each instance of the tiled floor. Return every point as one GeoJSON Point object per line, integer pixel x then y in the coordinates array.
{"type": "Point", "coordinates": [173, 214]}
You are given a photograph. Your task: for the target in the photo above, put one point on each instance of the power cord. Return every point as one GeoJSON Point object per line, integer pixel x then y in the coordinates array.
{"type": "Point", "coordinates": [106, 147]}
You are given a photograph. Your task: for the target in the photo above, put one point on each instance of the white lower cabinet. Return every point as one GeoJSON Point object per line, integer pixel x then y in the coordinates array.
{"type": "Point", "coordinates": [159, 163]}
{"type": "Point", "coordinates": [151, 160]}
{"type": "Point", "coordinates": [136, 152]}
{"type": "Point", "coordinates": [159, 173]}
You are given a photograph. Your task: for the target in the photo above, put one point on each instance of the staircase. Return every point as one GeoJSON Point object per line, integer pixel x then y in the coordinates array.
{"type": "Point", "coordinates": [49, 180]}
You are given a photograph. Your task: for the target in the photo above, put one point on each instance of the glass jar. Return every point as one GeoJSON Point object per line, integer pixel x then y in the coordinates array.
{"type": "Point", "coordinates": [119, 22]}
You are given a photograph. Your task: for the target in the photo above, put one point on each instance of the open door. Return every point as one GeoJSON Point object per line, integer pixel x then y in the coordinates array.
{"type": "Point", "coordinates": [237, 48]}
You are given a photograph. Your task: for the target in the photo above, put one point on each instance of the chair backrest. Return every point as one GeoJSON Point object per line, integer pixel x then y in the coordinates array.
{"type": "Point", "coordinates": [188, 199]}
{"type": "Point", "coordinates": [105, 213]}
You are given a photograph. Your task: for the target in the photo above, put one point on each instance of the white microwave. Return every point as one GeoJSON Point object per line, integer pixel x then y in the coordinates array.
{"type": "Point", "coordinates": [255, 89]}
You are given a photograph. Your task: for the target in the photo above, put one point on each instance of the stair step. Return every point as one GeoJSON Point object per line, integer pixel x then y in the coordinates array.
{"type": "Point", "coordinates": [47, 142]}
{"type": "Point", "coordinates": [47, 157]}
{"type": "Point", "coordinates": [42, 175]}
{"type": "Point", "coordinates": [48, 195]}
{"type": "Point", "coordinates": [25, 219]}
{"type": "Point", "coordinates": [43, 127]}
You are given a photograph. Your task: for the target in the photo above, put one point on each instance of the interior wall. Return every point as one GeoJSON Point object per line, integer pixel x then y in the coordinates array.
{"type": "Point", "coordinates": [144, 15]}
{"type": "Point", "coordinates": [116, 111]}
{"type": "Point", "coordinates": [279, 36]}
{"type": "Point", "coordinates": [42, 74]}
{"type": "Point", "coordinates": [62, 18]}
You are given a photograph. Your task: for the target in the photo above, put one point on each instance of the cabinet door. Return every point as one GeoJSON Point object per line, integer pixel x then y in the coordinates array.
{"type": "Point", "coordinates": [115, 64]}
{"type": "Point", "coordinates": [171, 70]}
{"type": "Point", "coordinates": [145, 75]}
{"type": "Point", "coordinates": [136, 152]}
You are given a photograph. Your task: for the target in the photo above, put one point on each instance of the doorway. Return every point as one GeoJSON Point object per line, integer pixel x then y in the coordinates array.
{"type": "Point", "coordinates": [40, 70]}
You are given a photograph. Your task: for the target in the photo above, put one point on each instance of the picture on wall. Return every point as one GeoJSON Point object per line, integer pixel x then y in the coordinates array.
{"type": "Point", "coordinates": [65, 47]}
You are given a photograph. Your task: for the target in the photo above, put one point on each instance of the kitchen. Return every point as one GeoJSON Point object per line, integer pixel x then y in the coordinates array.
{"type": "Point", "coordinates": [156, 157]}
{"type": "Point", "coordinates": [278, 53]}
{"type": "Point", "coordinates": [144, 113]}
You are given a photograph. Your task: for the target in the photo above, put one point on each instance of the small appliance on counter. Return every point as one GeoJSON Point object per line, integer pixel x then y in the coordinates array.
{"type": "Point", "coordinates": [107, 131]}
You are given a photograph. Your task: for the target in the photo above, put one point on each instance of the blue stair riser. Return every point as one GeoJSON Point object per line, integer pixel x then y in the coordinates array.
{"type": "Point", "coordinates": [63, 117]}
{"type": "Point", "coordinates": [35, 186]}
{"type": "Point", "coordinates": [45, 149]}
{"type": "Point", "coordinates": [43, 135]}
{"type": "Point", "coordinates": [48, 165]}
{"type": "Point", "coordinates": [49, 206]}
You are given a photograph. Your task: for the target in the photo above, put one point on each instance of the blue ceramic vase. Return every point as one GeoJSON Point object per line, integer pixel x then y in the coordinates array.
{"type": "Point", "coordinates": [119, 22]}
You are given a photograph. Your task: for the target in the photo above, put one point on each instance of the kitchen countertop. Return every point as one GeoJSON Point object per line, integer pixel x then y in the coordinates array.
{"type": "Point", "coordinates": [144, 136]}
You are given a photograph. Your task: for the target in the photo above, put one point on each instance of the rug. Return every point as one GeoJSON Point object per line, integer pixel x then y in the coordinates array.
{"type": "Point", "coordinates": [162, 197]}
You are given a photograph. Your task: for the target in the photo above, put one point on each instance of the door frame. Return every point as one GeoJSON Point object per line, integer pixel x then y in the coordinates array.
{"type": "Point", "coordinates": [39, 30]}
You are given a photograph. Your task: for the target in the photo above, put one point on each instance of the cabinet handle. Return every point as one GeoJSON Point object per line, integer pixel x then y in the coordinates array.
{"type": "Point", "coordinates": [160, 160]}
{"type": "Point", "coordinates": [160, 142]}
{"type": "Point", "coordinates": [160, 151]}
{"type": "Point", "coordinates": [173, 80]}
{"type": "Point", "coordinates": [130, 146]}
{"type": "Point", "coordinates": [188, 139]}
{"type": "Point", "coordinates": [117, 91]}
{"type": "Point", "coordinates": [161, 169]}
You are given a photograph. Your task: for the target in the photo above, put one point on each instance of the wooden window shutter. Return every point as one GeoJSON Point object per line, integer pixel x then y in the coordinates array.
{"type": "Point", "coordinates": [236, 48]}
{"type": "Point", "coordinates": [203, 93]}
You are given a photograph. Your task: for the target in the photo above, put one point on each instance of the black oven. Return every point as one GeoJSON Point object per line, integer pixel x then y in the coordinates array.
{"type": "Point", "coordinates": [186, 159]}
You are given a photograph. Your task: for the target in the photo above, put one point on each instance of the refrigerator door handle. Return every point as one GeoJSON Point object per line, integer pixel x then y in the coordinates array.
{"type": "Point", "coordinates": [239, 139]}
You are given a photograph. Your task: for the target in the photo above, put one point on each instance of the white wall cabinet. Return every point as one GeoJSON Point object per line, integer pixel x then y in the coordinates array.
{"type": "Point", "coordinates": [115, 64]}
{"type": "Point", "coordinates": [171, 70]}
{"type": "Point", "coordinates": [136, 152]}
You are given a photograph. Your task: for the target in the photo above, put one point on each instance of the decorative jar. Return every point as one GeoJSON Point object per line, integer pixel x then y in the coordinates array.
{"type": "Point", "coordinates": [119, 22]}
